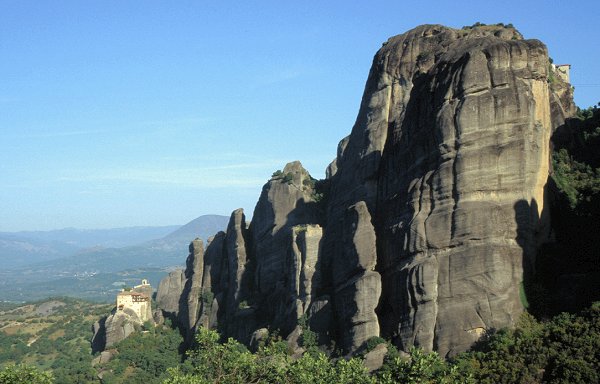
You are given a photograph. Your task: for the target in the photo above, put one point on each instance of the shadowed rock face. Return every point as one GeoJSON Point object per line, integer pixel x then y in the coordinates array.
{"type": "Point", "coordinates": [191, 298]}
{"type": "Point", "coordinates": [216, 280]}
{"type": "Point", "coordinates": [169, 292]}
{"type": "Point", "coordinates": [357, 285]}
{"type": "Point", "coordinates": [286, 201]}
{"type": "Point", "coordinates": [435, 205]}
{"type": "Point", "coordinates": [267, 274]}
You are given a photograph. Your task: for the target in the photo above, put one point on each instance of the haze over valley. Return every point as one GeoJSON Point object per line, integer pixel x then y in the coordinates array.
{"type": "Point", "coordinates": [94, 264]}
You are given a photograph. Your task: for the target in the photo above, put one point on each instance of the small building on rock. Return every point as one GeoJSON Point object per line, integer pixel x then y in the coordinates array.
{"type": "Point", "coordinates": [136, 299]}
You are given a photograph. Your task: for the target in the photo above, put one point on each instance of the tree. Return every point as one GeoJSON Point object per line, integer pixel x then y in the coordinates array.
{"type": "Point", "coordinates": [24, 374]}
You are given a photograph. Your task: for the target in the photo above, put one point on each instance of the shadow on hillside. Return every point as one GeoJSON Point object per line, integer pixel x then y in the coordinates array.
{"type": "Point", "coordinates": [563, 273]}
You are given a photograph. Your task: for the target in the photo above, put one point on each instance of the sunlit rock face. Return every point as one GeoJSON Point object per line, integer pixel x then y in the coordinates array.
{"type": "Point", "coordinates": [433, 213]}
{"type": "Point", "coordinates": [451, 154]}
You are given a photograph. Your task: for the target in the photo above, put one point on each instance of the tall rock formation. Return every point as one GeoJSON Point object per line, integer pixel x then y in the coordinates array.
{"type": "Point", "coordinates": [169, 293]}
{"type": "Point", "coordinates": [264, 275]}
{"type": "Point", "coordinates": [431, 215]}
{"type": "Point", "coordinates": [286, 201]}
{"type": "Point", "coordinates": [450, 153]}
{"type": "Point", "coordinates": [191, 295]}
{"type": "Point", "coordinates": [357, 284]}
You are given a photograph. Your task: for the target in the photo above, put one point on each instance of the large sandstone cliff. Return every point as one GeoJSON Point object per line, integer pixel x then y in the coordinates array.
{"type": "Point", "coordinates": [431, 216]}
{"type": "Point", "coordinates": [459, 165]}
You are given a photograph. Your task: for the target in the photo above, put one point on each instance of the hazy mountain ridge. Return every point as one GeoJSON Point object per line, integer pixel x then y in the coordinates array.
{"type": "Point", "coordinates": [17, 250]}
{"type": "Point", "coordinates": [110, 237]}
{"type": "Point", "coordinates": [22, 248]}
{"type": "Point", "coordinates": [100, 266]}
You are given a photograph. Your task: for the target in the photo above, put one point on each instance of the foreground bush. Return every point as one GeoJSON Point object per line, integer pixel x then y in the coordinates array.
{"type": "Point", "coordinates": [23, 374]}
{"type": "Point", "coordinates": [563, 350]}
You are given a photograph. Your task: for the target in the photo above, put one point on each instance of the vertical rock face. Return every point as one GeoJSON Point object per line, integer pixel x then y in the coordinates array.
{"type": "Point", "coordinates": [475, 135]}
{"type": "Point", "coordinates": [434, 205]}
{"type": "Point", "coordinates": [450, 152]}
{"type": "Point", "coordinates": [305, 271]}
{"type": "Point", "coordinates": [190, 300]}
{"type": "Point", "coordinates": [286, 201]}
{"type": "Point", "coordinates": [235, 248]}
{"type": "Point", "coordinates": [357, 285]}
{"type": "Point", "coordinates": [192, 297]}
{"type": "Point", "coordinates": [169, 292]}
{"type": "Point", "coordinates": [214, 281]}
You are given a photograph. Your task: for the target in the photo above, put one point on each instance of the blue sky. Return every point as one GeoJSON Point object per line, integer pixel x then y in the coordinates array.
{"type": "Point", "coordinates": [124, 113]}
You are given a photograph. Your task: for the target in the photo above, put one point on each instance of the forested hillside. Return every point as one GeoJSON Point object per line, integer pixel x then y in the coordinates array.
{"type": "Point", "coordinates": [52, 335]}
{"type": "Point", "coordinates": [568, 269]}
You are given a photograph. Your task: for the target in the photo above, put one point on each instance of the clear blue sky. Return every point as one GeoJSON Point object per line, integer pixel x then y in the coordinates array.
{"type": "Point", "coordinates": [122, 113]}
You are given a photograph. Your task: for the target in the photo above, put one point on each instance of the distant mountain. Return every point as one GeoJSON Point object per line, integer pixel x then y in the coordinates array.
{"type": "Point", "coordinates": [176, 243]}
{"type": "Point", "coordinates": [167, 251]}
{"type": "Point", "coordinates": [67, 274]}
{"type": "Point", "coordinates": [202, 227]}
{"type": "Point", "coordinates": [113, 237]}
{"type": "Point", "coordinates": [101, 287]}
{"type": "Point", "coordinates": [26, 248]}
{"type": "Point", "coordinates": [18, 249]}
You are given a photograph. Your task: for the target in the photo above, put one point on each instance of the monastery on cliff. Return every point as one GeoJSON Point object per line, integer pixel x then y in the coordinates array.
{"type": "Point", "coordinates": [136, 300]}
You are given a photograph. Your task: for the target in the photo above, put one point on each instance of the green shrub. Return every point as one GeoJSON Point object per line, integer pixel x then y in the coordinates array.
{"type": "Point", "coordinates": [288, 178]}
{"type": "Point", "coordinates": [374, 342]}
{"type": "Point", "coordinates": [420, 367]}
{"type": "Point", "coordinates": [24, 374]}
{"type": "Point", "coordinates": [565, 349]}
{"type": "Point", "coordinates": [207, 297]}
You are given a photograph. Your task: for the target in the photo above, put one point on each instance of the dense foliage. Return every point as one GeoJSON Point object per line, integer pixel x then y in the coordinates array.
{"type": "Point", "coordinates": [23, 374]}
{"type": "Point", "coordinates": [51, 335]}
{"type": "Point", "coordinates": [565, 349]}
{"type": "Point", "coordinates": [143, 357]}
{"type": "Point", "coordinates": [213, 362]}
{"type": "Point", "coordinates": [56, 343]}
{"type": "Point", "coordinates": [568, 270]}
{"type": "Point", "coordinates": [576, 161]}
